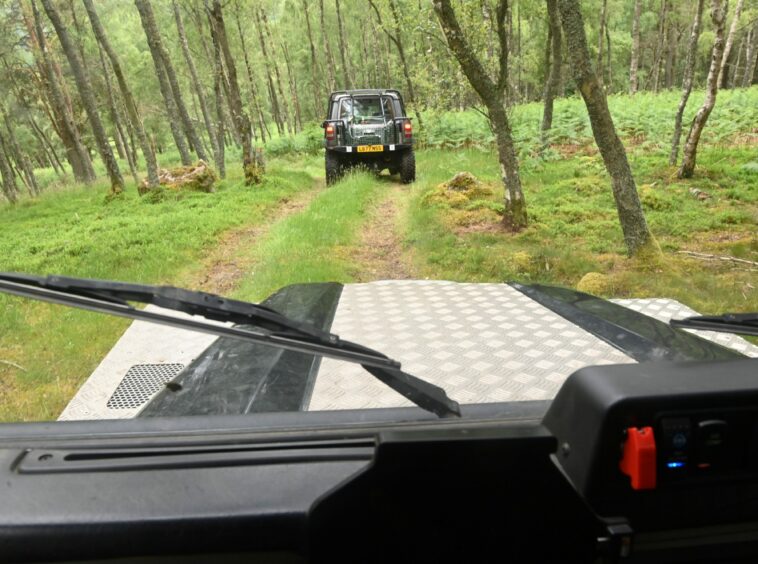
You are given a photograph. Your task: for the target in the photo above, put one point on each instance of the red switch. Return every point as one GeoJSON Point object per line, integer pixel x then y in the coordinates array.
{"type": "Point", "coordinates": [638, 461]}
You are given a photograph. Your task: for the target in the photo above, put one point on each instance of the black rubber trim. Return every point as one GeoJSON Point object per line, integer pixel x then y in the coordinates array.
{"type": "Point", "coordinates": [639, 336]}
{"type": "Point", "coordinates": [236, 377]}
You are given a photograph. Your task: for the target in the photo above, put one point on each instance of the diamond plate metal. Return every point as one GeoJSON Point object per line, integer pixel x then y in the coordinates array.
{"type": "Point", "coordinates": [480, 342]}
{"type": "Point", "coordinates": [141, 343]}
{"type": "Point", "coordinates": [664, 310]}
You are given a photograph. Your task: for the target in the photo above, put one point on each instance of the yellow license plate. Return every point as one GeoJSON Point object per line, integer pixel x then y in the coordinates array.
{"type": "Point", "coordinates": [370, 148]}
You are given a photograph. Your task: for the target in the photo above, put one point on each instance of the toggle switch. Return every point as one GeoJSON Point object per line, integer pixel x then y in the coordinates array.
{"type": "Point", "coordinates": [711, 443]}
{"type": "Point", "coordinates": [638, 461]}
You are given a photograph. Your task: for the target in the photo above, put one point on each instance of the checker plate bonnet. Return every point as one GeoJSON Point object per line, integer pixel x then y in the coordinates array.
{"type": "Point", "coordinates": [480, 342]}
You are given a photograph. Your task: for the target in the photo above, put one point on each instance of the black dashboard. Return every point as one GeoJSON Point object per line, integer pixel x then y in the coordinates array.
{"type": "Point", "coordinates": [654, 462]}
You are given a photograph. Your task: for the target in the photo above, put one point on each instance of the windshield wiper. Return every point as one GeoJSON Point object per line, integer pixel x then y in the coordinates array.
{"type": "Point", "coordinates": [742, 323]}
{"type": "Point", "coordinates": [263, 325]}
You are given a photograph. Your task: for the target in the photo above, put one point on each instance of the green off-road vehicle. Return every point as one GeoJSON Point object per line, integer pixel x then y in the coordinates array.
{"type": "Point", "coordinates": [368, 128]}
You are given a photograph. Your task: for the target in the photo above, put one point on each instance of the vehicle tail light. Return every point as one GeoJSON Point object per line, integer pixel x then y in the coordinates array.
{"type": "Point", "coordinates": [407, 130]}
{"type": "Point", "coordinates": [330, 132]}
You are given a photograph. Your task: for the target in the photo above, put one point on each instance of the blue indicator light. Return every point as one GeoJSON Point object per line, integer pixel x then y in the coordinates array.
{"type": "Point", "coordinates": [675, 464]}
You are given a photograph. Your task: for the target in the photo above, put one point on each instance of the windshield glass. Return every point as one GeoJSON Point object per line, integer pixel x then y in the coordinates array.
{"type": "Point", "coordinates": [363, 110]}
{"type": "Point", "coordinates": [385, 181]}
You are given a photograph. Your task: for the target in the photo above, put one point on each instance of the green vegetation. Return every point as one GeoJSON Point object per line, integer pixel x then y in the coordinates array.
{"type": "Point", "coordinates": [314, 246]}
{"type": "Point", "coordinates": [74, 232]}
{"type": "Point", "coordinates": [574, 229]}
{"type": "Point", "coordinates": [644, 121]}
{"type": "Point", "coordinates": [574, 234]}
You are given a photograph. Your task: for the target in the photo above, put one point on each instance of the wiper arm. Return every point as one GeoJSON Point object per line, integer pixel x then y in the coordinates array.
{"type": "Point", "coordinates": [742, 323]}
{"type": "Point", "coordinates": [263, 325]}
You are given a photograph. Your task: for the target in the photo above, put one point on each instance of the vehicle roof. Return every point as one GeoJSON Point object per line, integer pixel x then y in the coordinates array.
{"type": "Point", "coordinates": [365, 92]}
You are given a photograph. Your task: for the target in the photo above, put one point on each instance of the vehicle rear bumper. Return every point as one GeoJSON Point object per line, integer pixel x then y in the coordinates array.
{"type": "Point", "coordinates": [385, 149]}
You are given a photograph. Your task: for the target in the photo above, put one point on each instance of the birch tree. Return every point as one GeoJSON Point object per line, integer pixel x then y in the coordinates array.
{"type": "Point", "coordinates": [83, 86]}
{"type": "Point", "coordinates": [689, 73]}
{"type": "Point", "coordinates": [730, 41]}
{"type": "Point", "coordinates": [250, 165]}
{"type": "Point", "coordinates": [126, 93]}
{"type": "Point", "coordinates": [554, 68]}
{"type": "Point", "coordinates": [492, 92]}
{"type": "Point", "coordinates": [637, 235]}
{"type": "Point", "coordinates": [718, 17]}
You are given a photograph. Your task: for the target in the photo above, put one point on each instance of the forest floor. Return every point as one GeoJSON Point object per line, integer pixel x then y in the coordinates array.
{"type": "Point", "coordinates": [249, 242]}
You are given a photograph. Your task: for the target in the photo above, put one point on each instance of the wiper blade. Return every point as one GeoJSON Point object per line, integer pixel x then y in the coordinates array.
{"type": "Point", "coordinates": [262, 325]}
{"type": "Point", "coordinates": [742, 323]}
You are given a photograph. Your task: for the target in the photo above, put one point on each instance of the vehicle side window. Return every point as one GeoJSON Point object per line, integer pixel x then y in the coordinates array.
{"type": "Point", "coordinates": [345, 109]}
{"type": "Point", "coordinates": [398, 108]}
{"type": "Point", "coordinates": [389, 111]}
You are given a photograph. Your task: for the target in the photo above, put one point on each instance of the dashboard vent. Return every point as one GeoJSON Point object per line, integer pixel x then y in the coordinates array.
{"type": "Point", "coordinates": [142, 382]}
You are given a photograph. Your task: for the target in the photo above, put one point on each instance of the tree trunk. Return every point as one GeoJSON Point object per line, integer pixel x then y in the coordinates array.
{"type": "Point", "coordinates": [736, 70]}
{"type": "Point", "coordinates": [634, 65]}
{"type": "Point", "coordinates": [218, 93]}
{"type": "Point", "coordinates": [554, 69]}
{"type": "Point", "coordinates": [10, 188]}
{"type": "Point", "coordinates": [158, 50]}
{"type": "Point", "coordinates": [119, 133]}
{"type": "Point", "coordinates": [655, 71]}
{"type": "Point", "coordinates": [76, 153]}
{"type": "Point", "coordinates": [193, 77]}
{"type": "Point", "coordinates": [327, 48]}
{"type": "Point", "coordinates": [751, 57]}
{"type": "Point", "coordinates": [369, 71]}
{"type": "Point", "coordinates": [83, 85]}
{"type": "Point", "coordinates": [718, 17]}
{"type": "Point", "coordinates": [492, 93]}
{"type": "Point", "coordinates": [21, 158]}
{"type": "Point", "coordinates": [273, 97]}
{"type": "Point", "coordinates": [49, 149]}
{"type": "Point", "coordinates": [637, 236]}
{"type": "Point", "coordinates": [600, 36]}
{"type": "Point", "coordinates": [284, 106]}
{"type": "Point", "coordinates": [131, 106]}
{"type": "Point", "coordinates": [397, 40]}
{"type": "Point", "coordinates": [609, 66]}
{"type": "Point", "coordinates": [251, 82]}
{"type": "Point", "coordinates": [250, 165]}
{"type": "Point", "coordinates": [689, 73]}
{"type": "Point", "coordinates": [315, 82]}
{"type": "Point", "coordinates": [292, 79]}
{"type": "Point", "coordinates": [343, 49]}
{"type": "Point", "coordinates": [174, 120]}
{"type": "Point", "coordinates": [729, 41]}
{"type": "Point", "coordinates": [670, 50]}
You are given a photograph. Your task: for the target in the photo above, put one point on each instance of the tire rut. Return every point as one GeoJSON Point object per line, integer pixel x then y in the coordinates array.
{"type": "Point", "coordinates": [226, 266]}
{"type": "Point", "coordinates": [380, 255]}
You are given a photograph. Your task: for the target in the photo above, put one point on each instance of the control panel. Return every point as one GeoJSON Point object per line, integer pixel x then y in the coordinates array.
{"type": "Point", "coordinates": [665, 444]}
{"type": "Point", "coordinates": [690, 447]}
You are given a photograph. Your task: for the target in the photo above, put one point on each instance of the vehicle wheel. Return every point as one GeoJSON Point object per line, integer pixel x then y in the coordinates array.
{"type": "Point", "coordinates": [408, 167]}
{"type": "Point", "coordinates": [333, 167]}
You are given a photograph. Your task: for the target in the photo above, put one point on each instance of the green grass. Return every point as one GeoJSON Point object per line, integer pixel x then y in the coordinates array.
{"type": "Point", "coordinates": [74, 232]}
{"type": "Point", "coordinates": [574, 228]}
{"type": "Point", "coordinates": [314, 245]}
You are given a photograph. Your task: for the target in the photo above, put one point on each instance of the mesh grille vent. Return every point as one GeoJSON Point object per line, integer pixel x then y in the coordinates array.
{"type": "Point", "coordinates": [141, 383]}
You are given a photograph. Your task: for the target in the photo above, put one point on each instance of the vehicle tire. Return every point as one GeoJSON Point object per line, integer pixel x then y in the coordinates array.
{"type": "Point", "coordinates": [333, 167]}
{"type": "Point", "coordinates": [408, 167]}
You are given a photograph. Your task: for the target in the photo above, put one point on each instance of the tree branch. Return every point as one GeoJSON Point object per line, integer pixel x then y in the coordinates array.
{"type": "Point", "coordinates": [705, 256]}
{"type": "Point", "coordinates": [502, 80]}
{"type": "Point", "coordinates": [13, 364]}
{"type": "Point", "coordinates": [381, 24]}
